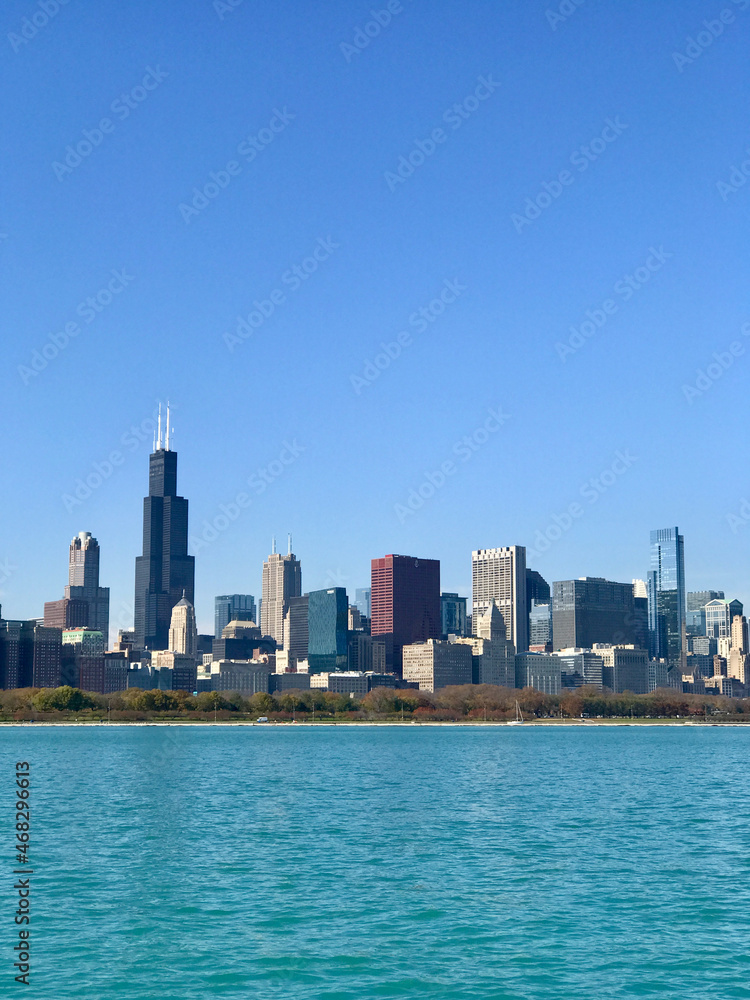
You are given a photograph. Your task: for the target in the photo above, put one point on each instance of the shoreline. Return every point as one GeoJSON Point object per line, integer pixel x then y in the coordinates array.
{"type": "Point", "coordinates": [548, 723]}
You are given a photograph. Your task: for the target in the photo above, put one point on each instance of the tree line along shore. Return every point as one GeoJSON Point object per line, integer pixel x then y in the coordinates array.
{"type": "Point", "coordinates": [467, 703]}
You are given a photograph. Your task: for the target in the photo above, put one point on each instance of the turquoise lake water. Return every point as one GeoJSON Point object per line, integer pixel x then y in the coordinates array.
{"type": "Point", "coordinates": [414, 862]}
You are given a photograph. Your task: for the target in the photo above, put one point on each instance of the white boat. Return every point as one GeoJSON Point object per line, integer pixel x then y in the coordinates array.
{"type": "Point", "coordinates": [518, 721]}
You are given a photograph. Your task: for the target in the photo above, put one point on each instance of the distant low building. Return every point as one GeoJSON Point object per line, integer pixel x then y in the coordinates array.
{"type": "Point", "coordinates": [729, 687]}
{"type": "Point", "coordinates": [348, 682]}
{"type": "Point", "coordinates": [288, 682]}
{"type": "Point", "coordinates": [625, 668]}
{"type": "Point", "coordinates": [437, 664]}
{"type": "Point", "coordinates": [383, 680]}
{"type": "Point", "coordinates": [147, 678]}
{"type": "Point", "coordinates": [540, 671]}
{"type": "Point", "coordinates": [493, 660]}
{"type": "Point", "coordinates": [83, 658]}
{"type": "Point", "coordinates": [243, 676]}
{"type": "Point", "coordinates": [115, 672]}
{"type": "Point", "coordinates": [580, 668]}
{"type": "Point", "coordinates": [241, 641]}
{"type": "Point", "coordinates": [658, 674]}
{"type": "Point", "coordinates": [182, 666]}
{"type": "Point", "coordinates": [693, 684]}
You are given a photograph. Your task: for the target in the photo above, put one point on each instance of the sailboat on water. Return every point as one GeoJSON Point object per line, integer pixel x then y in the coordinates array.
{"type": "Point", "coordinates": [518, 721]}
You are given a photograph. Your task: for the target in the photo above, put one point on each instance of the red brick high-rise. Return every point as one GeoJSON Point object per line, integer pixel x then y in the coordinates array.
{"type": "Point", "coordinates": [405, 603]}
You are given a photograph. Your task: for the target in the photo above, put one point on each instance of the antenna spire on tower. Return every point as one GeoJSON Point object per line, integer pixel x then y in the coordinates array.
{"type": "Point", "coordinates": [290, 543]}
{"type": "Point", "coordinates": [158, 433]}
{"type": "Point", "coordinates": [273, 546]}
{"type": "Point", "coordinates": [167, 425]}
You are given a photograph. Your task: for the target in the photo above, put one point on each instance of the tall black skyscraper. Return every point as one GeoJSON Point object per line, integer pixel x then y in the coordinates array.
{"type": "Point", "coordinates": [165, 569]}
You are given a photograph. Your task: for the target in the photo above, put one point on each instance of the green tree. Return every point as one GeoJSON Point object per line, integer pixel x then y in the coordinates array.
{"type": "Point", "coordinates": [62, 699]}
{"type": "Point", "coordinates": [261, 703]}
{"type": "Point", "coordinates": [210, 701]}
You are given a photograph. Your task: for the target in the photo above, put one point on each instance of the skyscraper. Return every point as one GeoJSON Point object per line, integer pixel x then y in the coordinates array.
{"type": "Point", "coordinates": [328, 630]}
{"type": "Point", "coordinates": [624, 668]}
{"type": "Point", "coordinates": [165, 570]}
{"type": "Point", "coordinates": [10, 653]}
{"type": "Point", "coordinates": [719, 615]}
{"type": "Point", "coordinates": [696, 609]}
{"type": "Point", "coordinates": [697, 599]}
{"type": "Point", "coordinates": [738, 664]}
{"type": "Point", "coordinates": [183, 632]}
{"type": "Point", "coordinates": [405, 603]}
{"type": "Point", "coordinates": [452, 615]}
{"type": "Point", "coordinates": [540, 627]}
{"type": "Point", "coordinates": [233, 608]}
{"type": "Point", "coordinates": [740, 634]}
{"type": "Point", "coordinates": [362, 600]}
{"type": "Point", "coordinates": [30, 654]}
{"type": "Point", "coordinates": [296, 627]}
{"type": "Point", "coordinates": [593, 610]}
{"type": "Point", "coordinates": [537, 589]}
{"type": "Point", "coordinates": [40, 655]}
{"type": "Point", "coordinates": [666, 595]}
{"type": "Point", "coordinates": [85, 603]}
{"type": "Point", "coordinates": [282, 579]}
{"type": "Point", "coordinates": [499, 577]}
{"type": "Point", "coordinates": [491, 625]}
{"type": "Point", "coordinates": [493, 656]}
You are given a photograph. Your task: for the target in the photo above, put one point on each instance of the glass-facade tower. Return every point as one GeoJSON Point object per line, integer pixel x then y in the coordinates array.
{"type": "Point", "coordinates": [362, 600]}
{"type": "Point", "coordinates": [452, 615]}
{"type": "Point", "coordinates": [233, 608]}
{"type": "Point", "coordinates": [666, 595]}
{"type": "Point", "coordinates": [328, 635]}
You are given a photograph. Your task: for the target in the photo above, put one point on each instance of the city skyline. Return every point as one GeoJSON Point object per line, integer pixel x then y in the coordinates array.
{"type": "Point", "coordinates": [162, 478]}
{"type": "Point", "coordinates": [422, 288]}
{"type": "Point", "coordinates": [363, 375]}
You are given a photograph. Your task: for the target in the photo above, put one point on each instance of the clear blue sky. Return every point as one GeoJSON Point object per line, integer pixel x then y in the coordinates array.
{"type": "Point", "coordinates": [198, 79]}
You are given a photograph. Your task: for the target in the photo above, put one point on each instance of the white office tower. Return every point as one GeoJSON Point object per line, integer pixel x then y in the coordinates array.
{"type": "Point", "coordinates": [499, 578]}
{"type": "Point", "coordinates": [183, 632]}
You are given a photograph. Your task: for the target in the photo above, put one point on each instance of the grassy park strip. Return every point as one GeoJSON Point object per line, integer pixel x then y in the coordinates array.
{"type": "Point", "coordinates": [465, 704]}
